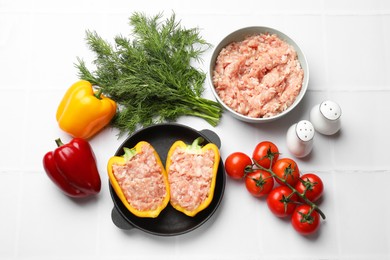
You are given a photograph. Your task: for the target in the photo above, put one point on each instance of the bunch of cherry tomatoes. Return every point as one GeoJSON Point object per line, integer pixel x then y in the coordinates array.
{"type": "Point", "coordinates": [289, 194]}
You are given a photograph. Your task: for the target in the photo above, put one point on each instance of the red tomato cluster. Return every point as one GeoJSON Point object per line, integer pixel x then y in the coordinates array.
{"type": "Point", "coordinates": [289, 194]}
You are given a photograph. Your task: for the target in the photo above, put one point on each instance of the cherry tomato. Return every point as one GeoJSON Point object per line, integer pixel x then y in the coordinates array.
{"type": "Point", "coordinates": [236, 163]}
{"type": "Point", "coordinates": [263, 153]}
{"type": "Point", "coordinates": [259, 183]}
{"type": "Point", "coordinates": [311, 186]}
{"type": "Point", "coordinates": [303, 221]}
{"type": "Point", "coordinates": [286, 169]}
{"type": "Point", "coordinates": [281, 202]}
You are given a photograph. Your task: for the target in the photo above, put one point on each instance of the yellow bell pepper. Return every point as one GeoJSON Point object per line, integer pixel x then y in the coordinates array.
{"type": "Point", "coordinates": [83, 112]}
{"type": "Point", "coordinates": [122, 160]}
{"type": "Point", "coordinates": [194, 148]}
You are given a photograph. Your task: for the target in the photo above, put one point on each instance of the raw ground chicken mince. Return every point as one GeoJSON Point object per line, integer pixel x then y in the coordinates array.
{"type": "Point", "coordinates": [141, 180]}
{"type": "Point", "coordinates": [259, 76]}
{"type": "Point", "coordinates": [190, 177]}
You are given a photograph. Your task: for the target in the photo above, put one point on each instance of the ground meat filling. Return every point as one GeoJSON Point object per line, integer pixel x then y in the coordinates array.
{"type": "Point", "coordinates": [190, 177]}
{"type": "Point", "coordinates": [141, 180]}
{"type": "Point", "coordinates": [258, 77]}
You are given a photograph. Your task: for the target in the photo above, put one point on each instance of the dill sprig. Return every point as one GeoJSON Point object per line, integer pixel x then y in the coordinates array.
{"type": "Point", "coordinates": [150, 76]}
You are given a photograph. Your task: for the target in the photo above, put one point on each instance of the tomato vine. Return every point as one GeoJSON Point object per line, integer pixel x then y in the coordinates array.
{"type": "Point", "coordinates": [301, 195]}
{"type": "Point", "coordinates": [295, 195]}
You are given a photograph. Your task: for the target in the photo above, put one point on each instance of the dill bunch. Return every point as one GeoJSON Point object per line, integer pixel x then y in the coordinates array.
{"type": "Point", "coordinates": [150, 76]}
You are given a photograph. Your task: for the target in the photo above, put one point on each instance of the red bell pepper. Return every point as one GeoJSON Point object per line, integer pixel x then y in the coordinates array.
{"type": "Point", "coordinates": [72, 167]}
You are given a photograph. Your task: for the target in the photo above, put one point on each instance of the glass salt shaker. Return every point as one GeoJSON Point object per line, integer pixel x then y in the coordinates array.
{"type": "Point", "coordinates": [300, 138]}
{"type": "Point", "coordinates": [325, 117]}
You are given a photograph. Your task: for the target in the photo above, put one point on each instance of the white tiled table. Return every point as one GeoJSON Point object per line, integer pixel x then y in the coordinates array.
{"type": "Point", "coordinates": [347, 44]}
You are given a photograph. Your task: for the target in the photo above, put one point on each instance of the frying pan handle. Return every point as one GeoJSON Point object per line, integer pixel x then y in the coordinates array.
{"type": "Point", "coordinates": [119, 221]}
{"type": "Point", "coordinates": [214, 138]}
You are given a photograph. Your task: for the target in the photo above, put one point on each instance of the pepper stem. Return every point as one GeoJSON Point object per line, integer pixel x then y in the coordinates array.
{"type": "Point", "coordinates": [195, 147]}
{"type": "Point", "coordinates": [129, 153]}
{"type": "Point", "coordinates": [196, 143]}
{"type": "Point", "coordinates": [59, 142]}
{"type": "Point", "coordinates": [98, 93]}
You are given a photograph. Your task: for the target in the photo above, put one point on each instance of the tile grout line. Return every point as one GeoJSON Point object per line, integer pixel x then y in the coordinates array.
{"type": "Point", "coordinates": [326, 65]}
{"type": "Point", "coordinates": [21, 168]}
{"type": "Point", "coordinates": [274, 12]}
{"type": "Point", "coordinates": [18, 217]}
{"type": "Point", "coordinates": [21, 172]}
{"type": "Point", "coordinates": [98, 239]}
{"type": "Point", "coordinates": [387, 52]}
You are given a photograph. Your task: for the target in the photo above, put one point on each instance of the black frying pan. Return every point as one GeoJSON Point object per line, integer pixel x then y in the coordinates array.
{"type": "Point", "coordinates": [170, 222]}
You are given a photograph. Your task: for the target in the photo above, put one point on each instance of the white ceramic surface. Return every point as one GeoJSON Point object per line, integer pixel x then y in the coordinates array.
{"type": "Point", "coordinates": [347, 44]}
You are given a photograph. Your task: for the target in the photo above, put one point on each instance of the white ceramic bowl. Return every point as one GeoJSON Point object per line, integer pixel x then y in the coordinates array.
{"type": "Point", "coordinates": [240, 35]}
